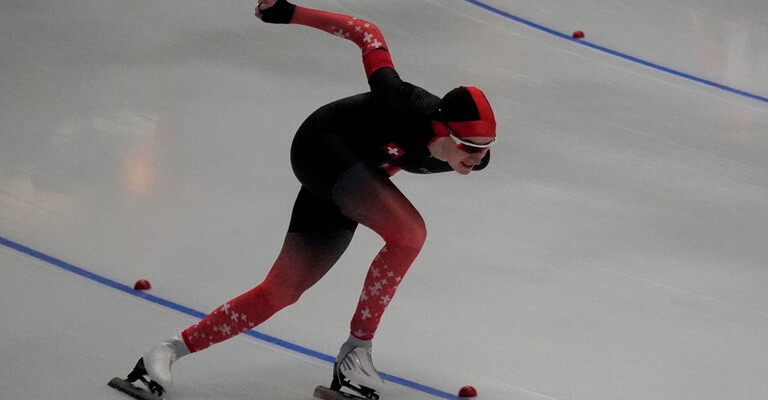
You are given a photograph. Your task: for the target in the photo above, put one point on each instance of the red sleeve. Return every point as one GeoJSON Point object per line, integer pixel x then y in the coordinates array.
{"type": "Point", "coordinates": [364, 34]}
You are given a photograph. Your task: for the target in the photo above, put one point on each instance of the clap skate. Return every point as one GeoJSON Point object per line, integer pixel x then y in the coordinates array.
{"type": "Point", "coordinates": [356, 373]}
{"type": "Point", "coordinates": [153, 371]}
{"type": "Point", "coordinates": [151, 390]}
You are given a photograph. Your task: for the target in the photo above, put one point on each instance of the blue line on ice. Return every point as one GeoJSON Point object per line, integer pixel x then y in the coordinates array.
{"type": "Point", "coordinates": [617, 53]}
{"type": "Point", "coordinates": [197, 314]}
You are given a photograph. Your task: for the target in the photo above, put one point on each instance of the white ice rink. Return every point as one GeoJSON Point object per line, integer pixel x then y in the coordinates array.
{"type": "Point", "coordinates": [615, 248]}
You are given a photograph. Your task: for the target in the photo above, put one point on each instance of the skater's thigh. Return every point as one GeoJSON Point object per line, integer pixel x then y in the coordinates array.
{"type": "Point", "coordinates": [366, 195]}
{"type": "Point", "coordinates": [317, 236]}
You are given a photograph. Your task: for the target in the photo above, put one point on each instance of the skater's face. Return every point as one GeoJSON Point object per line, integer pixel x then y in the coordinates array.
{"type": "Point", "coordinates": [468, 153]}
{"type": "Point", "coordinates": [464, 153]}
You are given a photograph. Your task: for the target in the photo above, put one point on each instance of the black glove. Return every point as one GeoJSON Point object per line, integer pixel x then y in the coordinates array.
{"type": "Point", "coordinates": [280, 13]}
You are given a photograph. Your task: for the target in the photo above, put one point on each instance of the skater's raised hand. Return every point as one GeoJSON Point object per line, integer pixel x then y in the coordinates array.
{"type": "Point", "coordinates": [263, 5]}
{"type": "Point", "coordinates": [275, 11]}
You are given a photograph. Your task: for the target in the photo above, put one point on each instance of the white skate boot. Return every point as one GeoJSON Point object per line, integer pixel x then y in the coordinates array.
{"type": "Point", "coordinates": [153, 370]}
{"type": "Point", "coordinates": [353, 370]}
{"type": "Point", "coordinates": [159, 359]}
{"type": "Point", "coordinates": [356, 368]}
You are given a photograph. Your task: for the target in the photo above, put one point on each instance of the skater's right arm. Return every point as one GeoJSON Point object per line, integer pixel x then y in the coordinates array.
{"type": "Point", "coordinates": [398, 104]}
{"type": "Point", "coordinates": [364, 34]}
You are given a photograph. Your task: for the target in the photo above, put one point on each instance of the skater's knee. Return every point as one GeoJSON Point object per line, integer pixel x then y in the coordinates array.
{"type": "Point", "coordinates": [282, 295]}
{"type": "Point", "coordinates": [417, 233]}
{"type": "Point", "coordinates": [411, 232]}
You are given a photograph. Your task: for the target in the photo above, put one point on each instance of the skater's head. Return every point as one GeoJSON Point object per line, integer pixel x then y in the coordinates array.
{"type": "Point", "coordinates": [466, 118]}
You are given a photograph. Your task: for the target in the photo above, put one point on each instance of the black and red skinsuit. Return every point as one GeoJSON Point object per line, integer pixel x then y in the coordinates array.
{"type": "Point", "coordinates": [343, 155]}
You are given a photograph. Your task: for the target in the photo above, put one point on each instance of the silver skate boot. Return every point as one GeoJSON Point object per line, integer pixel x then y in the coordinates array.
{"type": "Point", "coordinates": [354, 369]}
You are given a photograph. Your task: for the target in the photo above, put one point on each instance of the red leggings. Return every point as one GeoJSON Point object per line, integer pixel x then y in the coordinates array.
{"type": "Point", "coordinates": [319, 234]}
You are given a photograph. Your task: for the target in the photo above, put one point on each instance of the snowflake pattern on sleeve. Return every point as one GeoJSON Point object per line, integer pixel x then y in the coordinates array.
{"type": "Point", "coordinates": [380, 286]}
{"type": "Point", "coordinates": [364, 34]}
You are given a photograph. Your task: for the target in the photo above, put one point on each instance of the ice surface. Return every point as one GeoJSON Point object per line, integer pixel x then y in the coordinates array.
{"type": "Point", "coordinates": [614, 248]}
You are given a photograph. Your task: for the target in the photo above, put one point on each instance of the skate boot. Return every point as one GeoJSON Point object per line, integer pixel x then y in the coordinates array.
{"type": "Point", "coordinates": [153, 370]}
{"type": "Point", "coordinates": [357, 372]}
{"type": "Point", "coordinates": [159, 359]}
{"type": "Point", "coordinates": [353, 370]}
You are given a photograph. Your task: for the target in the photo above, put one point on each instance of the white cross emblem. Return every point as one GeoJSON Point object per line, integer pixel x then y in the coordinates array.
{"type": "Point", "coordinates": [393, 151]}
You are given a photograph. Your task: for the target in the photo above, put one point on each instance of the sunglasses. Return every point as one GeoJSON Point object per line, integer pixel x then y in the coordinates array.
{"type": "Point", "coordinates": [469, 147]}
{"type": "Point", "coordinates": [463, 145]}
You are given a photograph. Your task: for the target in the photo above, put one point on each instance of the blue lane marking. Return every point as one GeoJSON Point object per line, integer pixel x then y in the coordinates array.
{"type": "Point", "coordinates": [616, 53]}
{"type": "Point", "coordinates": [197, 314]}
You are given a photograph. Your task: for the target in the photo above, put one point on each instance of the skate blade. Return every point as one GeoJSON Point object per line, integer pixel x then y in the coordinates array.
{"type": "Point", "coordinates": [324, 393]}
{"type": "Point", "coordinates": [133, 391]}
